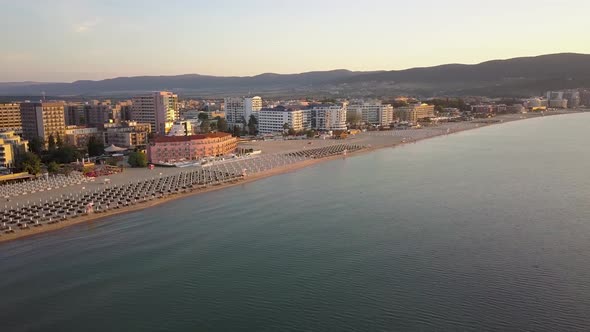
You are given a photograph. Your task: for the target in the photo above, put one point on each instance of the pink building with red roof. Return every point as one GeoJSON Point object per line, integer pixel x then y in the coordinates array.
{"type": "Point", "coordinates": [167, 149]}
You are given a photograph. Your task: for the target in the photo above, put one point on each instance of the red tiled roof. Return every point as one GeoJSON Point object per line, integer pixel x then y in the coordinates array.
{"type": "Point", "coordinates": [161, 139]}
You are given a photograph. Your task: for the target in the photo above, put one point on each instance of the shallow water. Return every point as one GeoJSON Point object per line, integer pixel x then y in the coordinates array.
{"type": "Point", "coordinates": [482, 230]}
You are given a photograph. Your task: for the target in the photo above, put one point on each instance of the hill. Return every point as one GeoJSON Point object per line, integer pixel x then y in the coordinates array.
{"type": "Point", "coordinates": [513, 77]}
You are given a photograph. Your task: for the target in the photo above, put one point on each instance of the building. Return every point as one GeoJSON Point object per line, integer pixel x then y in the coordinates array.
{"type": "Point", "coordinates": [328, 117]}
{"type": "Point", "coordinates": [252, 105]}
{"type": "Point", "coordinates": [273, 120]}
{"type": "Point", "coordinates": [10, 118]}
{"type": "Point", "coordinates": [127, 134]}
{"type": "Point", "coordinates": [239, 110]}
{"type": "Point", "coordinates": [572, 97]}
{"type": "Point", "coordinates": [74, 114]}
{"type": "Point", "coordinates": [181, 128]}
{"type": "Point", "coordinates": [374, 113]}
{"type": "Point", "coordinates": [98, 112]}
{"type": "Point", "coordinates": [11, 146]}
{"type": "Point", "coordinates": [42, 119]}
{"type": "Point", "coordinates": [558, 103]}
{"type": "Point", "coordinates": [415, 112]}
{"type": "Point", "coordinates": [170, 149]}
{"type": "Point", "coordinates": [157, 109]}
{"type": "Point", "coordinates": [79, 136]}
{"type": "Point", "coordinates": [585, 97]}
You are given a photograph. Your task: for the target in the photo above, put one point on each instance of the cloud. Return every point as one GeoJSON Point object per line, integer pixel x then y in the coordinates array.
{"type": "Point", "coordinates": [86, 25]}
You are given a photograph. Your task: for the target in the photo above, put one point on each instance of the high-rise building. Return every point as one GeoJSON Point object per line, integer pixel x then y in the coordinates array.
{"type": "Point", "coordinates": [374, 113]}
{"type": "Point", "coordinates": [157, 109]}
{"type": "Point", "coordinates": [415, 112]}
{"type": "Point", "coordinates": [328, 117]}
{"type": "Point", "coordinates": [239, 110]}
{"type": "Point", "coordinates": [42, 119]}
{"type": "Point", "coordinates": [10, 118]}
{"type": "Point", "coordinates": [273, 120]}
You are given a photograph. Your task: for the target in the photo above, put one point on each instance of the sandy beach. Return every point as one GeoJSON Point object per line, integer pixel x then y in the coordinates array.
{"type": "Point", "coordinates": [371, 140]}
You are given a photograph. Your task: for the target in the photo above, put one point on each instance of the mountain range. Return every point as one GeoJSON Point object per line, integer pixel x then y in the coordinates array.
{"type": "Point", "coordinates": [523, 76]}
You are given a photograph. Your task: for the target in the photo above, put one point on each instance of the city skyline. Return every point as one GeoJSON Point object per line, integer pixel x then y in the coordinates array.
{"type": "Point", "coordinates": [76, 40]}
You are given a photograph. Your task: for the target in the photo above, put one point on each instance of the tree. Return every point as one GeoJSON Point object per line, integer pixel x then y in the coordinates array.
{"type": "Point", "coordinates": [213, 126]}
{"type": "Point", "coordinates": [30, 162]}
{"type": "Point", "coordinates": [36, 145]}
{"type": "Point", "coordinates": [252, 124]}
{"type": "Point", "coordinates": [291, 132]}
{"type": "Point", "coordinates": [221, 124]}
{"type": "Point", "coordinates": [65, 155]}
{"type": "Point", "coordinates": [59, 142]}
{"type": "Point", "coordinates": [95, 147]}
{"type": "Point", "coordinates": [205, 126]}
{"type": "Point", "coordinates": [353, 118]}
{"type": "Point", "coordinates": [51, 143]}
{"type": "Point", "coordinates": [237, 132]}
{"type": "Point", "coordinates": [285, 126]}
{"type": "Point", "coordinates": [203, 116]}
{"type": "Point", "coordinates": [310, 133]}
{"type": "Point", "coordinates": [137, 159]}
{"type": "Point", "coordinates": [52, 167]}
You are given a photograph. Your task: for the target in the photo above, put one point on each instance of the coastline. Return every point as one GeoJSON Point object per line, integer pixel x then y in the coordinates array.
{"type": "Point", "coordinates": [251, 178]}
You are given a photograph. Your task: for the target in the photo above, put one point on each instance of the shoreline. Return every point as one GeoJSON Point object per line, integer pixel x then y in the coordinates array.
{"type": "Point", "coordinates": [32, 232]}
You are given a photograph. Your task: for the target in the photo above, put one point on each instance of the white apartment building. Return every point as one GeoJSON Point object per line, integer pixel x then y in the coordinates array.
{"type": "Point", "coordinates": [374, 113]}
{"type": "Point", "coordinates": [239, 110]}
{"type": "Point", "coordinates": [328, 117]}
{"type": "Point", "coordinates": [157, 109]}
{"type": "Point", "coordinates": [272, 120]}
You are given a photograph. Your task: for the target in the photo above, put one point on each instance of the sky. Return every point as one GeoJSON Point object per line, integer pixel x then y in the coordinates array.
{"type": "Point", "coordinates": [68, 40]}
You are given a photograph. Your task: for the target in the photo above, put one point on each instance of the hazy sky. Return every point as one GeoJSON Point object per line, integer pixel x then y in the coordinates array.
{"type": "Point", "coordinates": [66, 40]}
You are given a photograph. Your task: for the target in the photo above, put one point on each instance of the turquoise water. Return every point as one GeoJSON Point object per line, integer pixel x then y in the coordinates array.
{"type": "Point", "coordinates": [482, 230]}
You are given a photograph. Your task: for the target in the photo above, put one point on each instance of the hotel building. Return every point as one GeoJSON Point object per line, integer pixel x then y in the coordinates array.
{"type": "Point", "coordinates": [374, 113]}
{"type": "Point", "coordinates": [10, 118]}
{"type": "Point", "coordinates": [414, 113]}
{"type": "Point", "coordinates": [239, 110]}
{"type": "Point", "coordinates": [158, 109]}
{"type": "Point", "coordinates": [43, 119]}
{"type": "Point", "coordinates": [167, 149]}
{"type": "Point", "coordinates": [328, 117]}
{"type": "Point", "coordinates": [272, 120]}
{"type": "Point", "coordinates": [79, 136]}
{"type": "Point", "coordinates": [126, 134]}
{"type": "Point", "coordinates": [11, 145]}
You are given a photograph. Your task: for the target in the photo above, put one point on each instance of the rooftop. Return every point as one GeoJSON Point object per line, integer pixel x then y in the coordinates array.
{"type": "Point", "coordinates": [163, 139]}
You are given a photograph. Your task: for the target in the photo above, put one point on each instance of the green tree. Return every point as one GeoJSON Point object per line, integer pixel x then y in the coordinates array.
{"type": "Point", "coordinates": [237, 132]}
{"type": "Point", "coordinates": [30, 162]}
{"type": "Point", "coordinates": [51, 143]}
{"type": "Point", "coordinates": [353, 118]}
{"type": "Point", "coordinates": [137, 159]}
{"type": "Point", "coordinates": [252, 124]}
{"type": "Point", "coordinates": [59, 142]}
{"type": "Point", "coordinates": [36, 145]}
{"type": "Point", "coordinates": [203, 116]}
{"type": "Point", "coordinates": [310, 133]}
{"type": "Point", "coordinates": [221, 124]}
{"type": "Point", "coordinates": [213, 126]}
{"type": "Point", "coordinates": [53, 167]}
{"type": "Point", "coordinates": [285, 126]}
{"type": "Point", "coordinates": [95, 147]}
{"type": "Point", "coordinates": [205, 126]}
{"type": "Point", "coordinates": [65, 155]}
{"type": "Point", "coordinates": [291, 132]}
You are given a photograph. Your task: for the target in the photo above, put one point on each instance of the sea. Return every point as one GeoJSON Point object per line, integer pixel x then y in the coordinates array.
{"type": "Point", "coordinates": [483, 230]}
